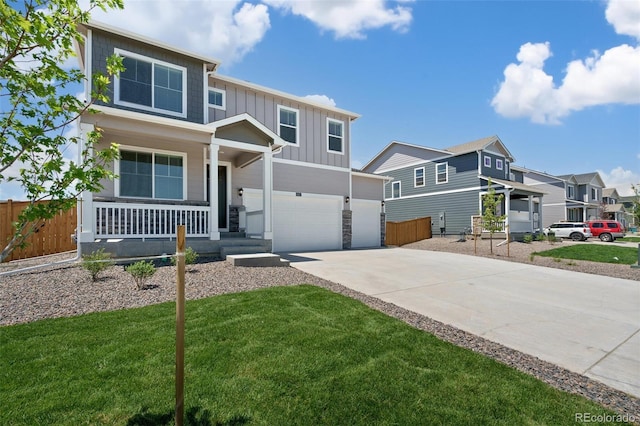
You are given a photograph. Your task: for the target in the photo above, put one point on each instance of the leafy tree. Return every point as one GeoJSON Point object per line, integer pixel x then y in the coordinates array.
{"type": "Point", "coordinates": [491, 221]}
{"type": "Point", "coordinates": [37, 109]}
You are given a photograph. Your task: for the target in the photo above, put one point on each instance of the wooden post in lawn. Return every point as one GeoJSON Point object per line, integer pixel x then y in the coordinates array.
{"type": "Point", "coordinates": [180, 243]}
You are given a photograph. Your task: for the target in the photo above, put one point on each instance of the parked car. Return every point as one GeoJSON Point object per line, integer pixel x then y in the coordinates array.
{"type": "Point", "coordinates": [577, 231]}
{"type": "Point", "coordinates": [606, 230]}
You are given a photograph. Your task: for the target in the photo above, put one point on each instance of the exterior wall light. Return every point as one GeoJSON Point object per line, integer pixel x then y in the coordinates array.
{"type": "Point", "coordinates": [240, 192]}
{"type": "Point", "coordinates": [346, 199]}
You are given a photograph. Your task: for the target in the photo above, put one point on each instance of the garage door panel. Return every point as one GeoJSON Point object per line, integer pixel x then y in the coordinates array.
{"type": "Point", "coordinates": [306, 223]}
{"type": "Point", "coordinates": [365, 223]}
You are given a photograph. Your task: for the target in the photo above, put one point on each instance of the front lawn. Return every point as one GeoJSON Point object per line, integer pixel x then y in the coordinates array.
{"type": "Point", "coordinates": [629, 239]}
{"type": "Point", "coordinates": [283, 355]}
{"type": "Point", "coordinates": [594, 253]}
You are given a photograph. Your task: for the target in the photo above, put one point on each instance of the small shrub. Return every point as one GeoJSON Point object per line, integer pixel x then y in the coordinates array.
{"type": "Point", "coordinates": [141, 271]}
{"type": "Point", "coordinates": [532, 257]}
{"type": "Point", "coordinates": [540, 237]}
{"type": "Point", "coordinates": [528, 238]}
{"type": "Point", "coordinates": [551, 237]}
{"type": "Point", "coordinates": [190, 257]}
{"type": "Point", "coordinates": [96, 262]}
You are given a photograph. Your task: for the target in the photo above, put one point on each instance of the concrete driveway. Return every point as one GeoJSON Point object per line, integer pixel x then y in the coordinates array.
{"type": "Point", "coordinates": [586, 323]}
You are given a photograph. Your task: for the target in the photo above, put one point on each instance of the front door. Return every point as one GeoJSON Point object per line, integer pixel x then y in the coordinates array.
{"type": "Point", "coordinates": [222, 195]}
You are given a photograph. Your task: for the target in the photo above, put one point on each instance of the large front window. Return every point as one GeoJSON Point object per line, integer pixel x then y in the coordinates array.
{"type": "Point", "coordinates": [151, 85]}
{"type": "Point", "coordinates": [151, 175]}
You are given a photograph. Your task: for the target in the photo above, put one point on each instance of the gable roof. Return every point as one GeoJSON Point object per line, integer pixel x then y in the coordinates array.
{"type": "Point", "coordinates": [398, 144]}
{"type": "Point", "coordinates": [611, 193]}
{"type": "Point", "coordinates": [482, 144]}
{"type": "Point", "coordinates": [585, 178]}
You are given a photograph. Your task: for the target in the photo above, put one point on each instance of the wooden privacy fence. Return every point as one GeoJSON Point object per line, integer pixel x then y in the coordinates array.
{"type": "Point", "coordinates": [409, 231]}
{"type": "Point", "coordinates": [54, 236]}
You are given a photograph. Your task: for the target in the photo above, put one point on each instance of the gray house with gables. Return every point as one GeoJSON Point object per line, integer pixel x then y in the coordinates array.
{"type": "Point", "coordinates": [244, 167]}
{"type": "Point", "coordinates": [448, 184]}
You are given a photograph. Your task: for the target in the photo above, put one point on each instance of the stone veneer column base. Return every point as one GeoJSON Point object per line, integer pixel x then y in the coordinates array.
{"type": "Point", "coordinates": [346, 229]}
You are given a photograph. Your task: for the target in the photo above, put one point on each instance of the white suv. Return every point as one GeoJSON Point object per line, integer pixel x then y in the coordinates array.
{"type": "Point", "coordinates": [577, 231]}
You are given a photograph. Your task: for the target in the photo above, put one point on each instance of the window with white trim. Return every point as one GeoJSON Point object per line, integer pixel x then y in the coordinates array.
{"type": "Point", "coordinates": [570, 192]}
{"type": "Point", "coordinates": [146, 174]}
{"type": "Point", "coordinates": [217, 98]}
{"type": "Point", "coordinates": [499, 164]}
{"type": "Point", "coordinates": [395, 190]}
{"type": "Point", "coordinates": [335, 136]}
{"type": "Point", "coordinates": [487, 161]}
{"type": "Point", "coordinates": [288, 124]}
{"type": "Point", "coordinates": [418, 177]}
{"type": "Point", "coordinates": [594, 193]}
{"type": "Point", "coordinates": [151, 85]}
{"type": "Point", "coordinates": [442, 172]}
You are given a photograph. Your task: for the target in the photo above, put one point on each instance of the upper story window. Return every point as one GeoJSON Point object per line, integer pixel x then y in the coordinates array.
{"type": "Point", "coordinates": [418, 177]}
{"type": "Point", "coordinates": [487, 161]}
{"type": "Point", "coordinates": [499, 165]}
{"type": "Point", "coordinates": [442, 173]}
{"type": "Point", "coordinates": [594, 193]}
{"type": "Point", "coordinates": [570, 193]}
{"type": "Point", "coordinates": [395, 190]}
{"type": "Point", "coordinates": [147, 174]}
{"type": "Point", "coordinates": [217, 98]}
{"type": "Point", "coordinates": [335, 136]}
{"type": "Point", "coordinates": [151, 85]}
{"type": "Point", "coordinates": [288, 124]}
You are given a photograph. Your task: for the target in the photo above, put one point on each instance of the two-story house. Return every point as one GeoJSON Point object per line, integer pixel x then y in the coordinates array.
{"type": "Point", "coordinates": [448, 184]}
{"type": "Point", "coordinates": [613, 207]}
{"type": "Point", "coordinates": [225, 157]}
{"type": "Point", "coordinates": [573, 197]}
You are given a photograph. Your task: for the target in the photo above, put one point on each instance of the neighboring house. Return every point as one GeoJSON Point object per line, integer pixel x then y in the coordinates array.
{"type": "Point", "coordinates": [613, 207]}
{"type": "Point", "coordinates": [628, 205]}
{"type": "Point", "coordinates": [574, 197]}
{"type": "Point", "coordinates": [448, 184]}
{"type": "Point", "coordinates": [219, 155]}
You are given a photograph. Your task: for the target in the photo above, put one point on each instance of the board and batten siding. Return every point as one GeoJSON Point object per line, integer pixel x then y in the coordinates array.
{"type": "Point", "coordinates": [312, 145]}
{"type": "Point", "coordinates": [493, 171]}
{"type": "Point", "coordinates": [458, 208]}
{"type": "Point", "coordinates": [103, 45]}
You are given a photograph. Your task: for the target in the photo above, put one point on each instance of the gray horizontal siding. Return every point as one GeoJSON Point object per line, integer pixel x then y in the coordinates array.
{"type": "Point", "coordinates": [462, 170]}
{"type": "Point", "coordinates": [366, 188]}
{"type": "Point", "coordinates": [287, 177]}
{"type": "Point", "coordinates": [493, 171]}
{"type": "Point", "coordinates": [400, 155]}
{"type": "Point", "coordinates": [458, 209]}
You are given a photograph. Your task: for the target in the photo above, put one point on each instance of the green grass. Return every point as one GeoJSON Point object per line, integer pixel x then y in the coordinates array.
{"type": "Point", "coordinates": [285, 355]}
{"type": "Point", "coordinates": [594, 253]}
{"type": "Point", "coordinates": [629, 239]}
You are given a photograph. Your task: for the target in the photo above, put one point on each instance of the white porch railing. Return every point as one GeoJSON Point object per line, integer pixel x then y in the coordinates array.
{"type": "Point", "coordinates": [132, 220]}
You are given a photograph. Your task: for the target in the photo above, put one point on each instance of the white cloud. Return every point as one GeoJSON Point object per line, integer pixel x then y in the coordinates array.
{"type": "Point", "coordinates": [624, 15]}
{"type": "Point", "coordinates": [600, 79]}
{"type": "Point", "coordinates": [348, 18]}
{"type": "Point", "coordinates": [322, 99]}
{"type": "Point", "coordinates": [224, 30]}
{"type": "Point", "coordinates": [621, 180]}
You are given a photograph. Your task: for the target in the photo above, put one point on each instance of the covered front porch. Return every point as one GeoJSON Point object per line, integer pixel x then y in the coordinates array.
{"type": "Point", "coordinates": [186, 176]}
{"type": "Point", "coordinates": [522, 206]}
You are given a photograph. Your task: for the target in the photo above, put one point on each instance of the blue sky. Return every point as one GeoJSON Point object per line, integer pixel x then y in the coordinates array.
{"type": "Point", "coordinates": [557, 81]}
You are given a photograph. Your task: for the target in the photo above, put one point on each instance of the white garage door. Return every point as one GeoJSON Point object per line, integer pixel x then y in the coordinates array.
{"type": "Point", "coordinates": [365, 223]}
{"type": "Point", "coordinates": [307, 222]}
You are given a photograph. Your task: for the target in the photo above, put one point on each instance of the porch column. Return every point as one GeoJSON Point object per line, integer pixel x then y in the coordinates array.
{"type": "Point", "coordinates": [267, 204]}
{"type": "Point", "coordinates": [507, 207]}
{"type": "Point", "coordinates": [540, 209]}
{"type": "Point", "coordinates": [530, 199]}
{"type": "Point", "coordinates": [85, 202]}
{"type": "Point", "coordinates": [214, 233]}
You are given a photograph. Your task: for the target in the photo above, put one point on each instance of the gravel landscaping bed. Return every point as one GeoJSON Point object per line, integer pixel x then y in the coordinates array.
{"type": "Point", "coordinates": [67, 290]}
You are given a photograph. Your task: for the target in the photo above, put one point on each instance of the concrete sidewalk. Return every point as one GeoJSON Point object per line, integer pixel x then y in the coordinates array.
{"type": "Point", "coordinates": [586, 323]}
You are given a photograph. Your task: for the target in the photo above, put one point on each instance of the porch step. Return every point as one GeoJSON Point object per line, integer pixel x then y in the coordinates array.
{"type": "Point", "coordinates": [240, 249]}
{"type": "Point", "coordinates": [225, 235]}
{"type": "Point", "coordinates": [257, 260]}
